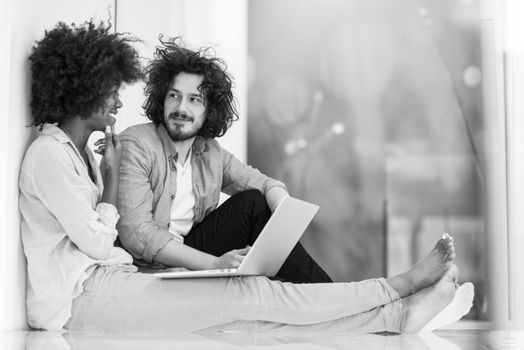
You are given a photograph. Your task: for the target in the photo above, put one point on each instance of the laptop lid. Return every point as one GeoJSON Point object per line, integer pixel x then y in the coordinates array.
{"type": "Point", "coordinates": [279, 236]}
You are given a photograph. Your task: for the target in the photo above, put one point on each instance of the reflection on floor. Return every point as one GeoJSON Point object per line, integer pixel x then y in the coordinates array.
{"type": "Point", "coordinates": [439, 340]}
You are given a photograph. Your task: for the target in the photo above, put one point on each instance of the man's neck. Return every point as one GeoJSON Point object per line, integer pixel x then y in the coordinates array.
{"type": "Point", "coordinates": [183, 148]}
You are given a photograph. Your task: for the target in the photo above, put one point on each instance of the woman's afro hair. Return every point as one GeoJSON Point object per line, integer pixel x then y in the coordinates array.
{"type": "Point", "coordinates": [74, 68]}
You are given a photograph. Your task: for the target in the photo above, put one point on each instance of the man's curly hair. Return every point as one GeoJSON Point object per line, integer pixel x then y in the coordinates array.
{"type": "Point", "coordinates": [74, 69]}
{"type": "Point", "coordinates": [172, 58]}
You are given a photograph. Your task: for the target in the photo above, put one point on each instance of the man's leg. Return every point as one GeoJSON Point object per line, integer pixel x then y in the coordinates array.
{"type": "Point", "coordinates": [237, 223]}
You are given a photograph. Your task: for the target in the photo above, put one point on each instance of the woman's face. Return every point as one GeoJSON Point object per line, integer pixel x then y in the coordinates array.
{"type": "Point", "coordinates": [106, 114]}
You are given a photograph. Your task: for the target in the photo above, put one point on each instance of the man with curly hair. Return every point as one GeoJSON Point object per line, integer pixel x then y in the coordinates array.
{"type": "Point", "coordinates": [173, 171]}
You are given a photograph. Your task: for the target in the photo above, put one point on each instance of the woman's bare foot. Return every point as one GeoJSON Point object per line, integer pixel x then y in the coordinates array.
{"type": "Point", "coordinates": [459, 307]}
{"type": "Point", "coordinates": [427, 271]}
{"type": "Point", "coordinates": [422, 307]}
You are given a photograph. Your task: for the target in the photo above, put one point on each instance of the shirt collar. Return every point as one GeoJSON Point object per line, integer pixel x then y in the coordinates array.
{"type": "Point", "coordinates": [54, 131]}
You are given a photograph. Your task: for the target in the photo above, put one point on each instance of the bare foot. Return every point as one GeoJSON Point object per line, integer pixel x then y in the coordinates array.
{"type": "Point", "coordinates": [423, 306]}
{"type": "Point", "coordinates": [459, 307]}
{"type": "Point", "coordinates": [427, 271]}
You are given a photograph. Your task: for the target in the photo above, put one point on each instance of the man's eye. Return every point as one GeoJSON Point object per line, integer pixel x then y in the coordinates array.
{"type": "Point", "coordinates": [197, 99]}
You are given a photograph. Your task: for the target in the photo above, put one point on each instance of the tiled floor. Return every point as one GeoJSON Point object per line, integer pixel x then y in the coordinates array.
{"type": "Point", "coordinates": [439, 340]}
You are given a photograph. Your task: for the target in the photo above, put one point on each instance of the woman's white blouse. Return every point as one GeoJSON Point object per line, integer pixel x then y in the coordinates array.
{"type": "Point", "coordinates": [66, 231]}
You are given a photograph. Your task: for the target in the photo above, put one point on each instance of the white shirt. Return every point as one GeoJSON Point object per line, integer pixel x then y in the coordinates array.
{"type": "Point", "coordinates": [66, 231]}
{"type": "Point", "coordinates": [182, 209]}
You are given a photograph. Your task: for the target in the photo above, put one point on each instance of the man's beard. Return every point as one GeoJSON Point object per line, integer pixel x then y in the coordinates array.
{"type": "Point", "coordinates": [175, 131]}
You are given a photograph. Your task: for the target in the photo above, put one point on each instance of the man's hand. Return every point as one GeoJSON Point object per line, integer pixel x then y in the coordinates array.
{"type": "Point", "coordinates": [231, 259]}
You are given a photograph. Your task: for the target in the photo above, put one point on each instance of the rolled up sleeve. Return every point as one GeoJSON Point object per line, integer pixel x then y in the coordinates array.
{"type": "Point", "coordinates": [138, 231]}
{"type": "Point", "coordinates": [239, 176]}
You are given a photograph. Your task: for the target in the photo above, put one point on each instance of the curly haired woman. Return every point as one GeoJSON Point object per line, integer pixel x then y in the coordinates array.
{"type": "Point", "coordinates": [78, 280]}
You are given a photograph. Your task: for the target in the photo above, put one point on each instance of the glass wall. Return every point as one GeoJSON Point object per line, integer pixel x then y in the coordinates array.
{"type": "Point", "coordinates": [374, 111]}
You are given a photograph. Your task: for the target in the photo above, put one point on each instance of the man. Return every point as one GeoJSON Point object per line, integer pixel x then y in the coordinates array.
{"type": "Point", "coordinates": [173, 171]}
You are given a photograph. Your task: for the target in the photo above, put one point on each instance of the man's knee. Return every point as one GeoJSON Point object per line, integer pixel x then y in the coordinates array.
{"type": "Point", "coordinates": [253, 199]}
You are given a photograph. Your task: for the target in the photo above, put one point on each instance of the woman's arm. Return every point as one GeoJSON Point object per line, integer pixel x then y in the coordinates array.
{"type": "Point", "coordinates": [64, 191]}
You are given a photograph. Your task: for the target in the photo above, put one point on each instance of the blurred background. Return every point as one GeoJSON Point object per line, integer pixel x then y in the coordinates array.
{"type": "Point", "coordinates": [399, 118]}
{"type": "Point", "coordinates": [373, 110]}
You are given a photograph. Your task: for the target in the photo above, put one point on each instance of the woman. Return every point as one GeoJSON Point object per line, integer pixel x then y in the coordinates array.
{"type": "Point", "coordinates": [78, 280]}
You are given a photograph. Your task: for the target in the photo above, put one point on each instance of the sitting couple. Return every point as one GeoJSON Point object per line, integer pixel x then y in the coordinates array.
{"type": "Point", "coordinates": [158, 193]}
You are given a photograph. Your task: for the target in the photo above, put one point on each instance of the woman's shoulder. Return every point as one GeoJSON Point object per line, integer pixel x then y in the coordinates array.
{"type": "Point", "coordinates": [44, 151]}
{"type": "Point", "coordinates": [45, 146]}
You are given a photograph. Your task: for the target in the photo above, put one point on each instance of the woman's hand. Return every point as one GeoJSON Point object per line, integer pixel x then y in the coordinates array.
{"type": "Point", "coordinates": [231, 259]}
{"type": "Point", "coordinates": [111, 149]}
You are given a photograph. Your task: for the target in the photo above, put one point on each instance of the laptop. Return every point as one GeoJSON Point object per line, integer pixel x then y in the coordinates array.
{"type": "Point", "coordinates": [272, 247]}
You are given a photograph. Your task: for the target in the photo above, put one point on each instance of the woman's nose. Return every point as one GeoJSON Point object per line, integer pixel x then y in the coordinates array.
{"type": "Point", "coordinates": [118, 103]}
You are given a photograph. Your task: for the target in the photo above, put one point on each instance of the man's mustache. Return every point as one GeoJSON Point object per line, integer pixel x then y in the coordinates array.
{"type": "Point", "coordinates": [179, 115]}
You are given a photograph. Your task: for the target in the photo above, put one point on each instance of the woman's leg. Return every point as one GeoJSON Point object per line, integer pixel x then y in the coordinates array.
{"type": "Point", "coordinates": [422, 307]}
{"type": "Point", "coordinates": [238, 223]}
{"type": "Point", "coordinates": [119, 300]}
{"type": "Point", "coordinates": [427, 271]}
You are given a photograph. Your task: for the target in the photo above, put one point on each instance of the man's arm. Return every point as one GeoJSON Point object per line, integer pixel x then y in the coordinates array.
{"type": "Point", "coordinates": [178, 254]}
{"type": "Point", "coordinates": [239, 176]}
{"type": "Point", "coordinates": [138, 231]}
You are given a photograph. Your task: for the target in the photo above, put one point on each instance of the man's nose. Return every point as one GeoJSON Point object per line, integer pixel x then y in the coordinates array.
{"type": "Point", "coordinates": [182, 106]}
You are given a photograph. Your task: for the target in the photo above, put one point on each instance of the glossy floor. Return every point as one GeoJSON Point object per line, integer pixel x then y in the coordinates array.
{"type": "Point", "coordinates": [438, 340]}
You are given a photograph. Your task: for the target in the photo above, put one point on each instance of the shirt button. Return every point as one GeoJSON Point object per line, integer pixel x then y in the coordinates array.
{"type": "Point", "coordinates": [168, 224]}
{"type": "Point", "coordinates": [172, 196]}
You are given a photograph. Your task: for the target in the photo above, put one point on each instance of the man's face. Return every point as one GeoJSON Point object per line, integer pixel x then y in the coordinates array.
{"type": "Point", "coordinates": [105, 115]}
{"type": "Point", "coordinates": [184, 109]}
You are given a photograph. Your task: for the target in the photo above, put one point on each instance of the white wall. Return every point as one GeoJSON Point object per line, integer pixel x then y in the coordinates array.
{"type": "Point", "coordinates": [5, 36]}
{"type": "Point", "coordinates": [218, 23]}
{"type": "Point", "coordinates": [23, 22]}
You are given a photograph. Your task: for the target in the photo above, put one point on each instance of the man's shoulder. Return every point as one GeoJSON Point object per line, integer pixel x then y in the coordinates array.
{"type": "Point", "coordinates": [211, 147]}
{"type": "Point", "coordinates": [141, 135]}
{"type": "Point", "coordinates": [145, 130]}
{"type": "Point", "coordinates": [211, 143]}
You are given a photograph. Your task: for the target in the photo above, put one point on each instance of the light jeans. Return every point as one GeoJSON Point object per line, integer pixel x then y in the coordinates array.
{"type": "Point", "coordinates": [118, 299]}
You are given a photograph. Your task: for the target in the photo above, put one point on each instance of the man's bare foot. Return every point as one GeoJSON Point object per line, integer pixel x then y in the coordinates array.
{"type": "Point", "coordinates": [427, 271]}
{"type": "Point", "coordinates": [423, 306]}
